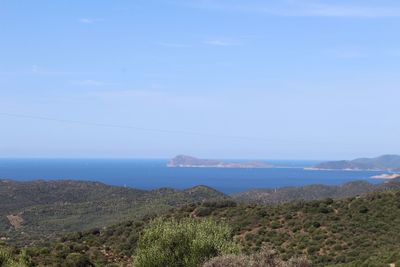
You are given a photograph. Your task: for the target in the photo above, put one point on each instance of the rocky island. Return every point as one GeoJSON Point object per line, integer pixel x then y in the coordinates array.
{"type": "Point", "coordinates": [183, 161]}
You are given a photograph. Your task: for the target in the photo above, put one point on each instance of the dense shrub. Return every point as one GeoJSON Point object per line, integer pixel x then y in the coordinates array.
{"type": "Point", "coordinates": [185, 243]}
{"type": "Point", "coordinates": [220, 204]}
{"type": "Point", "coordinates": [363, 210]}
{"type": "Point", "coordinates": [203, 211]}
{"type": "Point", "coordinates": [77, 260]}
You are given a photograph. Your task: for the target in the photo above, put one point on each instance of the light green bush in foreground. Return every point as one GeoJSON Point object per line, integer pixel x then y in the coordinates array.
{"type": "Point", "coordinates": [184, 243]}
{"type": "Point", "coordinates": [7, 260]}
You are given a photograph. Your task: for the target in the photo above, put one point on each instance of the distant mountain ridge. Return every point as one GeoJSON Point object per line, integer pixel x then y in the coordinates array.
{"type": "Point", "coordinates": [382, 163]}
{"type": "Point", "coordinates": [314, 192]}
{"type": "Point", "coordinates": [184, 161]}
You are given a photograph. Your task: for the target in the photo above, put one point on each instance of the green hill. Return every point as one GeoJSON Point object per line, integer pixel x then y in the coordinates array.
{"type": "Point", "coordinates": [41, 210]}
{"type": "Point", "coordinates": [100, 224]}
{"type": "Point", "coordinates": [314, 192]}
{"type": "Point", "coordinates": [359, 231]}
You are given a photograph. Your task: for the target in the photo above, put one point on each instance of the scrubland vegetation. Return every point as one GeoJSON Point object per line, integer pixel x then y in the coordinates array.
{"type": "Point", "coordinates": [48, 210]}
{"type": "Point", "coordinates": [218, 231]}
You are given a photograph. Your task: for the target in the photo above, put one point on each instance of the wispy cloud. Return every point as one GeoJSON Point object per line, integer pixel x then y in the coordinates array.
{"type": "Point", "coordinates": [144, 97]}
{"type": "Point", "coordinates": [302, 8]}
{"type": "Point", "coordinates": [330, 10]}
{"type": "Point", "coordinates": [198, 43]}
{"type": "Point", "coordinates": [89, 20]}
{"type": "Point", "coordinates": [222, 42]}
{"type": "Point", "coordinates": [37, 70]}
{"type": "Point", "coordinates": [173, 45]}
{"type": "Point", "coordinates": [90, 83]}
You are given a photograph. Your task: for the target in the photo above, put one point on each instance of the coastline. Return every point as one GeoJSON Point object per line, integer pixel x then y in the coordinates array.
{"type": "Point", "coordinates": [348, 170]}
{"type": "Point", "coordinates": [217, 167]}
{"type": "Point", "coordinates": [386, 176]}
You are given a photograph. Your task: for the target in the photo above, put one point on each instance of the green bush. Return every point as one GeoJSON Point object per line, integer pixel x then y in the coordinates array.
{"type": "Point", "coordinates": [363, 210]}
{"type": "Point", "coordinates": [8, 260]}
{"type": "Point", "coordinates": [77, 260]}
{"type": "Point", "coordinates": [185, 243]}
{"type": "Point", "coordinates": [203, 211]}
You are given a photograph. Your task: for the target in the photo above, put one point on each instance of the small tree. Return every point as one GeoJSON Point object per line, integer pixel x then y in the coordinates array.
{"type": "Point", "coordinates": [185, 243]}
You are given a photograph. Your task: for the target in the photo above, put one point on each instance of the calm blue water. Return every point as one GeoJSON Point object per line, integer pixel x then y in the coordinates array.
{"type": "Point", "coordinates": [150, 174]}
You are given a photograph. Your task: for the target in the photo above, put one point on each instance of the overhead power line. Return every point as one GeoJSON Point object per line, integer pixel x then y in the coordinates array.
{"type": "Point", "coordinates": [130, 127]}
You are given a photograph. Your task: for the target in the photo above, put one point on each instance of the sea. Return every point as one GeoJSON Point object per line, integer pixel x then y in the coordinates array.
{"type": "Point", "coordinates": [152, 174]}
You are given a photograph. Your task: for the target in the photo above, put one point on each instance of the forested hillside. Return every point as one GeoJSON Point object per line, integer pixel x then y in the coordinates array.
{"type": "Point", "coordinates": [42, 210]}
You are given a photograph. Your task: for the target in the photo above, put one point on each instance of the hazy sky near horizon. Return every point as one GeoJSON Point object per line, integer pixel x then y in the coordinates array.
{"type": "Point", "coordinates": [284, 79]}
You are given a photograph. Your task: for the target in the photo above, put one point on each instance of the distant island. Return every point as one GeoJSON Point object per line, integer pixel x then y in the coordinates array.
{"type": "Point", "coordinates": [389, 163]}
{"type": "Point", "coordinates": [183, 161]}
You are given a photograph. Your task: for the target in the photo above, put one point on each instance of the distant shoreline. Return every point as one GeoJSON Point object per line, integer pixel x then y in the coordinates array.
{"type": "Point", "coordinates": [386, 176]}
{"type": "Point", "coordinates": [272, 167]}
{"type": "Point", "coordinates": [184, 161]}
{"type": "Point", "coordinates": [347, 170]}
{"type": "Point", "coordinates": [216, 167]}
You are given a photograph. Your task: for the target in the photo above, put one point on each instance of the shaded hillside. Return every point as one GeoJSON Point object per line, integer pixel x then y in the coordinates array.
{"type": "Point", "coordinates": [313, 192]}
{"type": "Point", "coordinates": [361, 231]}
{"type": "Point", "coordinates": [383, 163]}
{"type": "Point", "coordinates": [32, 211]}
{"type": "Point", "coordinates": [16, 195]}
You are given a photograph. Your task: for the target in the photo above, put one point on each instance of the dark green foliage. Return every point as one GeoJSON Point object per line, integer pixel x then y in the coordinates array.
{"type": "Point", "coordinates": [77, 260]}
{"type": "Point", "coordinates": [203, 211]}
{"type": "Point", "coordinates": [115, 244]}
{"type": "Point", "coordinates": [363, 210]}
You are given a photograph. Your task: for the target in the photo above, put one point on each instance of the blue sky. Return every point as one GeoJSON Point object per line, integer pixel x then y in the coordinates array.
{"type": "Point", "coordinates": [283, 79]}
